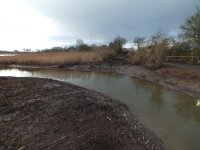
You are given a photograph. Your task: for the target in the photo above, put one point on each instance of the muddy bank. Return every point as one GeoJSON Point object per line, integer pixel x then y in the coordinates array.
{"type": "Point", "coordinates": [186, 80]}
{"type": "Point", "coordinates": [48, 114]}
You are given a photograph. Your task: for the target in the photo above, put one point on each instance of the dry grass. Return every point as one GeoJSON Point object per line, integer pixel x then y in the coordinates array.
{"type": "Point", "coordinates": [150, 57]}
{"type": "Point", "coordinates": [139, 57]}
{"type": "Point", "coordinates": [54, 58]}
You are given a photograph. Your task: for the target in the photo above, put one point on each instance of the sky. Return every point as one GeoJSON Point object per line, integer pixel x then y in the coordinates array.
{"type": "Point", "coordinates": [39, 24]}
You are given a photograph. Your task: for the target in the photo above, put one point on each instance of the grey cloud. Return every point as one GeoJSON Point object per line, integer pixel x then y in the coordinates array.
{"type": "Point", "coordinates": [108, 18]}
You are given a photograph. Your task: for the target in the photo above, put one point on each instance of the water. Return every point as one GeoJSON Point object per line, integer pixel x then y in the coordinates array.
{"type": "Point", "coordinates": [8, 54]}
{"type": "Point", "coordinates": [174, 116]}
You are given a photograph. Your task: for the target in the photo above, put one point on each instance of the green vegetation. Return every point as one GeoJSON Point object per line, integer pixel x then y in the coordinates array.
{"type": "Point", "coordinates": [191, 30]}
{"type": "Point", "coordinates": [189, 42]}
{"type": "Point", "coordinates": [117, 44]}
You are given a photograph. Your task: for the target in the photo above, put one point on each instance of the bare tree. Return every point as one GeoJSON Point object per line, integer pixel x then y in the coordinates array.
{"type": "Point", "coordinates": [139, 41]}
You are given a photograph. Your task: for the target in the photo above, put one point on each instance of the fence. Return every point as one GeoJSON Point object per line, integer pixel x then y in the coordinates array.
{"type": "Point", "coordinates": [183, 59]}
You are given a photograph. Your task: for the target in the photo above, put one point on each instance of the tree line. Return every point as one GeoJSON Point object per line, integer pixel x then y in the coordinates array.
{"type": "Point", "coordinates": [151, 52]}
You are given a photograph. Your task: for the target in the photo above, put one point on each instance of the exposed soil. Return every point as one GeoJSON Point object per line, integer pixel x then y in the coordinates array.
{"type": "Point", "coordinates": [48, 114]}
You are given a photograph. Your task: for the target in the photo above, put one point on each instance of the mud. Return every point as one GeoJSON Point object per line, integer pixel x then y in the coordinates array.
{"type": "Point", "coordinates": [47, 114]}
{"type": "Point", "coordinates": [186, 80]}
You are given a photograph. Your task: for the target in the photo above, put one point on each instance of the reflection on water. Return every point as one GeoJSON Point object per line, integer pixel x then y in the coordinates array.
{"type": "Point", "coordinates": [172, 115]}
{"type": "Point", "coordinates": [15, 72]}
{"type": "Point", "coordinates": [155, 93]}
{"type": "Point", "coordinates": [8, 54]}
{"type": "Point", "coordinates": [187, 109]}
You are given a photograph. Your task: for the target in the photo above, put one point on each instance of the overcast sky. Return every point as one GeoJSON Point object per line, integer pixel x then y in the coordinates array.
{"type": "Point", "coordinates": [47, 23]}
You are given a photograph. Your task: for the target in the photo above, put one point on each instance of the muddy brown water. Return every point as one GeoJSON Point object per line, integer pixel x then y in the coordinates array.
{"type": "Point", "coordinates": [173, 116]}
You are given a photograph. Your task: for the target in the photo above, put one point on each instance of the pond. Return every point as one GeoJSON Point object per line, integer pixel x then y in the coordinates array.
{"type": "Point", "coordinates": [172, 115]}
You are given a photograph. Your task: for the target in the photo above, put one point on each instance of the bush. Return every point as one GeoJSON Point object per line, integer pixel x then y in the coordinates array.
{"type": "Point", "coordinates": [106, 53]}
{"type": "Point", "coordinates": [138, 57]}
{"type": "Point", "coordinates": [180, 49]}
{"type": "Point", "coordinates": [156, 55]}
{"type": "Point", "coordinates": [84, 47]}
{"type": "Point", "coordinates": [152, 55]}
{"type": "Point", "coordinates": [117, 44]}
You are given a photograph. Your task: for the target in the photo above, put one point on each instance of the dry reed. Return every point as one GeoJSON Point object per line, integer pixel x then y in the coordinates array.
{"type": "Point", "coordinates": [53, 58]}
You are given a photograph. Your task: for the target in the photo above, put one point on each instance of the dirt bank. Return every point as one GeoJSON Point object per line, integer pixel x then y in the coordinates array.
{"type": "Point", "coordinates": [48, 114]}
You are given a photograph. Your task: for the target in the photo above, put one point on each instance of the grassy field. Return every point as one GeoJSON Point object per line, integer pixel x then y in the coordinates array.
{"type": "Point", "coordinates": [55, 58]}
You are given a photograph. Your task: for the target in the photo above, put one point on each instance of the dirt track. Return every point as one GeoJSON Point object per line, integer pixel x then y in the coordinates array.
{"type": "Point", "coordinates": [48, 114]}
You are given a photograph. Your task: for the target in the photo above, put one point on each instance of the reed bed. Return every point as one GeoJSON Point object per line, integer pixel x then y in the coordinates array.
{"type": "Point", "coordinates": [53, 58]}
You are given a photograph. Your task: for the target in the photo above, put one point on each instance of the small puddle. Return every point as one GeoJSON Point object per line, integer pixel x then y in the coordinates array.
{"type": "Point", "coordinates": [174, 116]}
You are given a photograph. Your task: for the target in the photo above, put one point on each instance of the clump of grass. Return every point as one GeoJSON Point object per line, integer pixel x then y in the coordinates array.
{"type": "Point", "coordinates": [151, 57]}
{"type": "Point", "coordinates": [54, 58]}
{"type": "Point", "coordinates": [153, 54]}
{"type": "Point", "coordinates": [156, 56]}
{"type": "Point", "coordinates": [106, 53]}
{"type": "Point", "coordinates": [138, 57]}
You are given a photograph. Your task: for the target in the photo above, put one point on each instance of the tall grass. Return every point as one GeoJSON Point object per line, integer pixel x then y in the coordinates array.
{"type": "Point", "coordinates": [150, 57]}
{"type": "Point", "coordinates": [153, 53]}
{"type": "Point", "coordinates": [54, 58]}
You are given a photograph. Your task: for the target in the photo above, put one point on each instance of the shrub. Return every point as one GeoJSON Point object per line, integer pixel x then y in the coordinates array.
{"type": "Point", "coordinates": [180, 49]}
{"type": "Point", "coordinates": [152, 55]}
{"type": "Point", "coordinates": [138, 57]}
{"type": "Point", "coordinates": [156, 55]}
{"type": "Point", "coordinates": [117, 44]}
{"type": "Point", "coordinates": [84, 47]}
